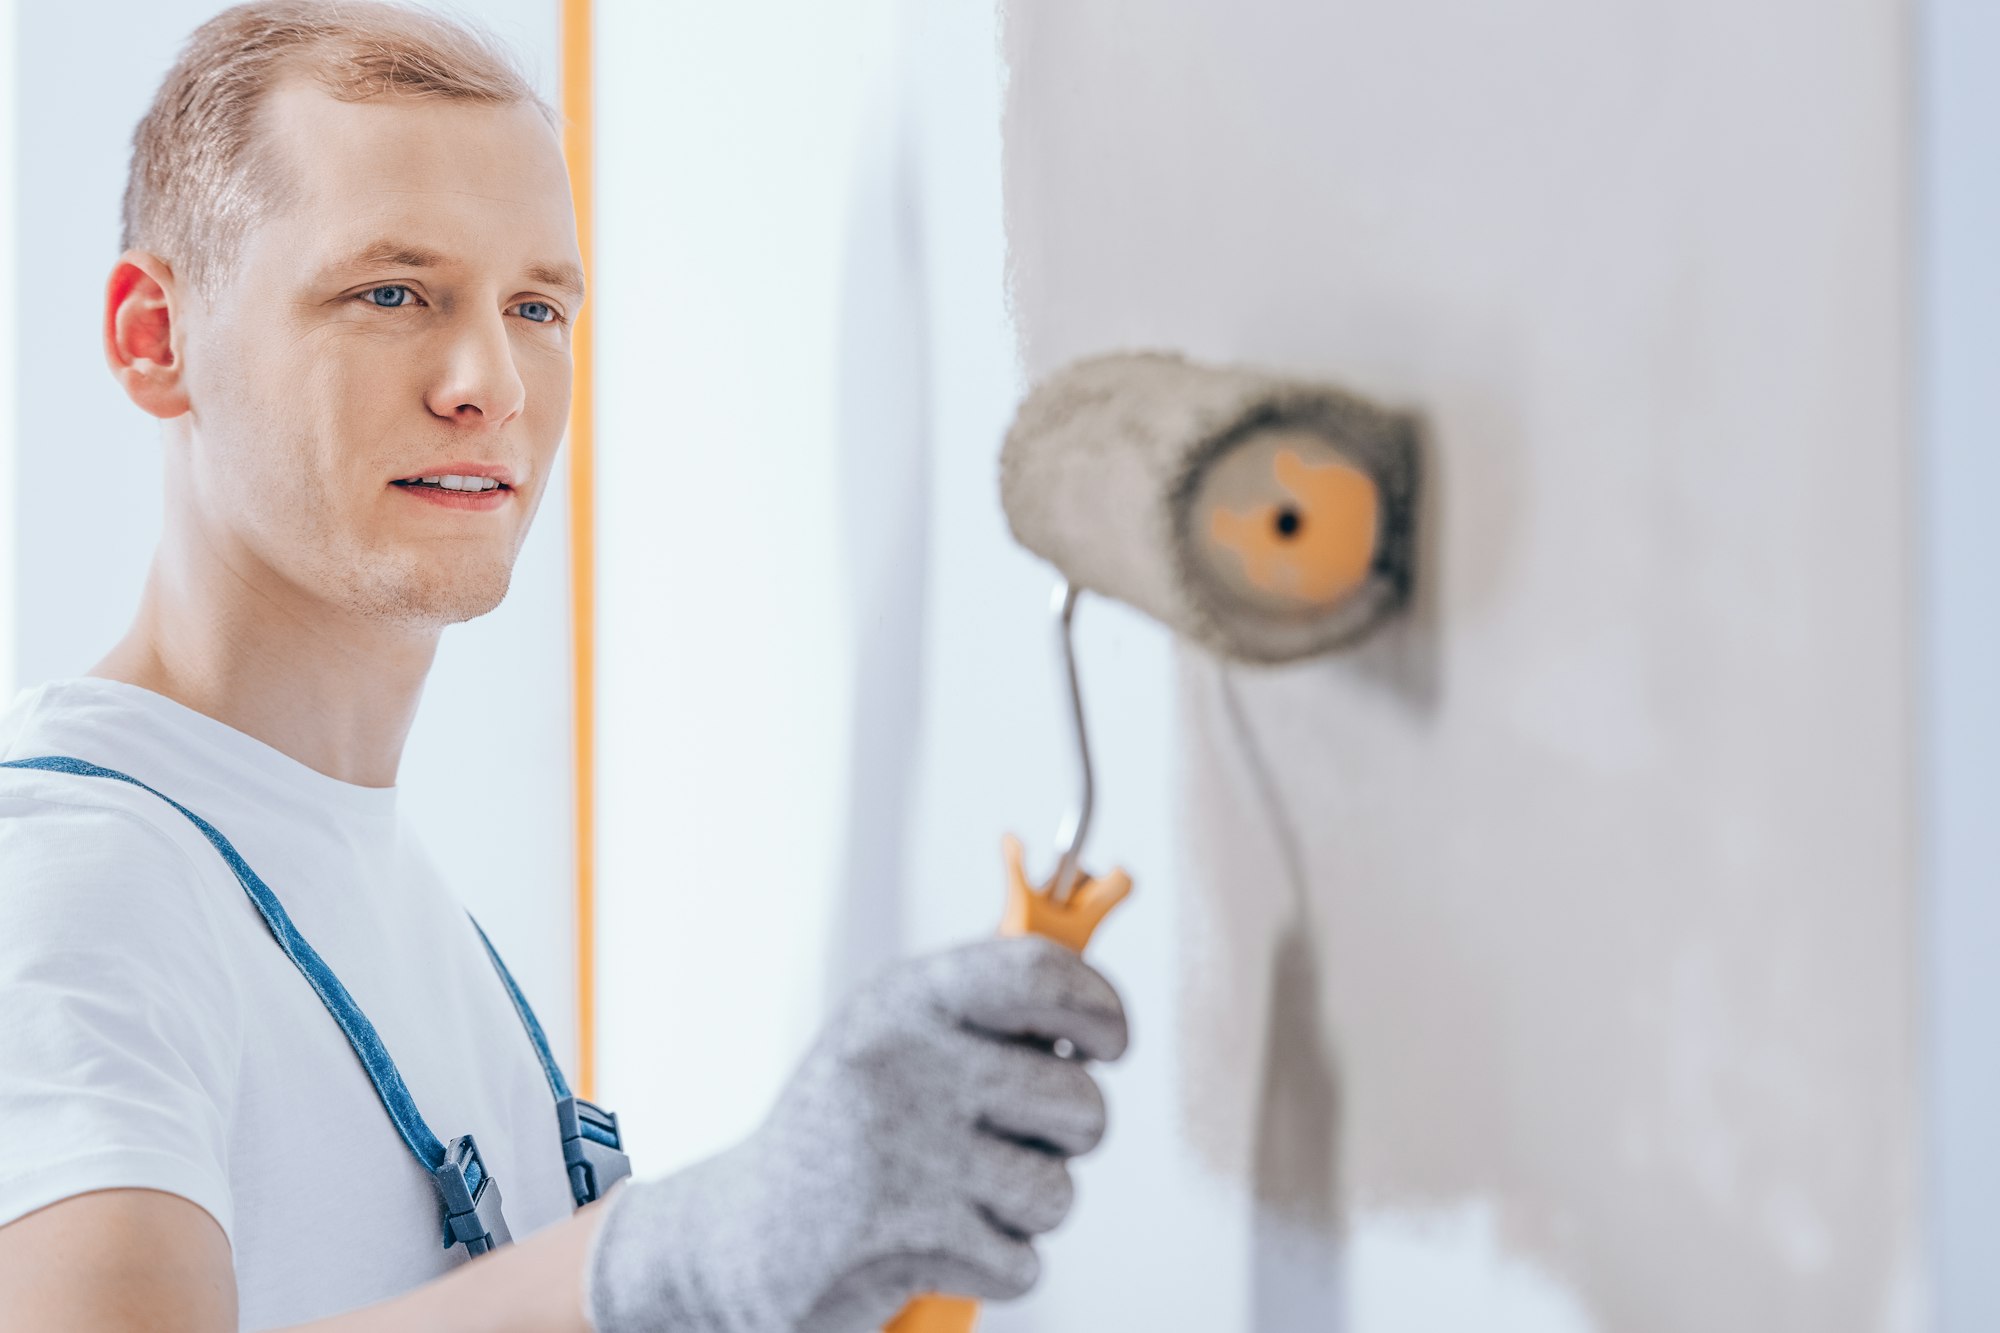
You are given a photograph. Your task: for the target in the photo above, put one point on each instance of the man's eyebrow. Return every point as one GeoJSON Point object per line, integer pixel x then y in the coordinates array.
{"type": "Point", "coordinates": [398, 254]}
{"type": "Point", "coordinates": [566, 276]}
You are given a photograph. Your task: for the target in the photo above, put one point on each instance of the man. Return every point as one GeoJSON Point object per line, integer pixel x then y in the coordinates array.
{"type": "Point", "coordinates": [350, 273]}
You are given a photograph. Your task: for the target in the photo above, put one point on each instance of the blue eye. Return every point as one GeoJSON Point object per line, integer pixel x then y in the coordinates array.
{"type": "Point", "coordinates": [538, 312]}
{"type": "Point", "coordinates": [389, 298]}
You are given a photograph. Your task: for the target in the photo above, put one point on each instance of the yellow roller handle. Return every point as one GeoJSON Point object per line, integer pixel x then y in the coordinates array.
{"type": "Point", "coordinates": [1030, 911]}
{"type": "Point", "coordinates": [936, 1314]}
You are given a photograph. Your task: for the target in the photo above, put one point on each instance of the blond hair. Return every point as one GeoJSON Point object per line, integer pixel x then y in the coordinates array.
{"type": "Point", "coordinates": [197, 182]}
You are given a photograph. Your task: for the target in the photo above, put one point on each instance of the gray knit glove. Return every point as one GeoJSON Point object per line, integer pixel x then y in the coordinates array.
{"type": "Point", "coordinates": [919, 1147]}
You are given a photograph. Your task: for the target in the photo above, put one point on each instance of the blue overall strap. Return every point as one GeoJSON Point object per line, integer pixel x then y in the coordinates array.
{"type": "Point", "coordinates": [472, 1200]}
{"type": "Point", "coordinates": [593, 1150]}
{"type": "Point", "coordinates": [528, 1020]}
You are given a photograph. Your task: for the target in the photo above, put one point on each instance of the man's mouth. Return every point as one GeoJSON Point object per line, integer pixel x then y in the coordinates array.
{"type": "Point", "coordinates": [451, 482]}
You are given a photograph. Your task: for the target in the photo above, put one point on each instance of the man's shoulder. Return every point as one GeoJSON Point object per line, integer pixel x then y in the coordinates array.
{"type": "Point", "coordinates": [88, 853]}
{"type": "Point", "coordinates": [89, 816]}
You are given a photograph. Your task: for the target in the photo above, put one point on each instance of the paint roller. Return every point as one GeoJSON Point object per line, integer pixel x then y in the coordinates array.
{"type": "Point", "coordinates": [1266, 517]}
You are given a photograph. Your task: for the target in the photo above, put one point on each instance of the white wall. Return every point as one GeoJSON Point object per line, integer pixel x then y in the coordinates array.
{"type": "Point", "coordinates": [10, 316]}
{"type": "Point", "coordinates": [729, 143]}
{"type": "Point", "coordinates": [1600, 1013]}
{"type": "Point", "coordinates": [1957, 331]}
{"type": "Point", "coordinates": [87, 471]}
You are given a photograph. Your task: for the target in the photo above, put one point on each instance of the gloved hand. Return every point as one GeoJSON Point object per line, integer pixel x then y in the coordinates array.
{"type": "Point", "coordinates": [919, 1147]}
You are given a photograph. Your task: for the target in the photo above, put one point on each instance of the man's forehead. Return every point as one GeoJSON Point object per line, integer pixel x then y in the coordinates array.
{"type": "Point", "coordinates": [420, 184]}
{"type": "Point", "coordinates": [300, 116]}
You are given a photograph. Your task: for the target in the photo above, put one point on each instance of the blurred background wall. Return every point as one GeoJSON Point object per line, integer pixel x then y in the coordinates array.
{"type": "Point", "coordinates": [9, 322]}
{"type": "Point", "coordinates": [731, 158]}
{"type": "Point", "coordinates": [1551, 964]}
{"type": "Point", "coordinates": [1955, 340]}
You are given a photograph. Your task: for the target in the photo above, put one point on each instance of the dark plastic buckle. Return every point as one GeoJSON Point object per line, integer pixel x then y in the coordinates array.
{"type": "Point", "coordinates": [592, 1149]}
{"type": "Point", "coordinates": [471, 1199]}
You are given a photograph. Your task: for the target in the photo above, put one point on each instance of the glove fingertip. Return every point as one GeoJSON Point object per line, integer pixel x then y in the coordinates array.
{"type": "Point", "coordinates": [1010, 1274]}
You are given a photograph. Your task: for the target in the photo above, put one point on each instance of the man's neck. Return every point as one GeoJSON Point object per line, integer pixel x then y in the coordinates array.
{"type": "Point", "coordinates": [336, 692]}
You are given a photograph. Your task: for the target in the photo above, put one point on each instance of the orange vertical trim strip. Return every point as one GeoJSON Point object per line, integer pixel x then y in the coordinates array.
{"type": "Point", "coordinates": [578, 143]}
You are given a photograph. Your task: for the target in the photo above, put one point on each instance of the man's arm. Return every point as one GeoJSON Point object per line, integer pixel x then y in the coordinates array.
{"type": "Point", "coordinates": [126, 1260]}
{"type": "Point", "coordinates": [922, 1145]}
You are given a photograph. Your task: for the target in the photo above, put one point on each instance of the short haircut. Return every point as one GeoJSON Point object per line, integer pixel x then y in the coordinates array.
{"type": "Point", "coordinates": [199, 180]}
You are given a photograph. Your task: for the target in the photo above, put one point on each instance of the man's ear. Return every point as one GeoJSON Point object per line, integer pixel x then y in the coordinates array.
{"type": "Point", "coordinates": [142, 308]}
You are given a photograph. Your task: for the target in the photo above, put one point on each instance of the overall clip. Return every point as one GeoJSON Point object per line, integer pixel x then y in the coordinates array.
{"type": "Point", "coordinates": [592, 1149]}
{"type": "Point", "coordinates": [471, 1199]}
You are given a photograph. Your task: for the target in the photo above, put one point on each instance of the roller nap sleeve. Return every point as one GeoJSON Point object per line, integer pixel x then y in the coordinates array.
{"type": "Point", "coordinates": [1265, 517]}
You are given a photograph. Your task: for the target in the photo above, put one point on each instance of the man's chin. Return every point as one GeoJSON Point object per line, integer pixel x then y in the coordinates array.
{"type": "Point", "coordinates": [436, 603]}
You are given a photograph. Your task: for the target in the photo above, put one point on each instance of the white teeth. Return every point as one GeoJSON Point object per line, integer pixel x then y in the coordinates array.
{"type": "Point", "coordinates": [453, 482]}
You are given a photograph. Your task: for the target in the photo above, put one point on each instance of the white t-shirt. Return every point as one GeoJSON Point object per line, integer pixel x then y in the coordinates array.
{"type": "Point", "coordinates": [153, 1034]}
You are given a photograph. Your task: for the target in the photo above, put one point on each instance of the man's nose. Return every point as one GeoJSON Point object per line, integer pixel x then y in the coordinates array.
{"type": "Point", "coordinates": [478, 383]}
